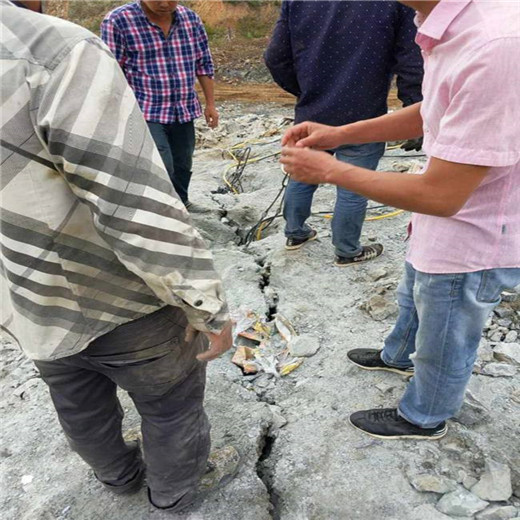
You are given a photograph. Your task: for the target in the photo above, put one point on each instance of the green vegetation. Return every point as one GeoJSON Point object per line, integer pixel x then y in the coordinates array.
{"type": "Point", "coordinates": [91, 14]}
{"type": "Point", "coordinates": [215, 33]}
{"type": "Point", "coordinates": [253, 27]}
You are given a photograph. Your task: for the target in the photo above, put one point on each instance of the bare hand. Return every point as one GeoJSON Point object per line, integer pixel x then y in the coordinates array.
{"type": "Point", "coordinates": [314, 135]}
{"type": "Point", "coordinates": [211, 115]}
{"type": "Point", "coordinates": [218, 343]}
{"type": "Point", "coordinates": [310, 166]}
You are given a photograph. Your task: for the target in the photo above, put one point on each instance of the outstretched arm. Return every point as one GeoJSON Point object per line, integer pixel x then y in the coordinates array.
{"type": "Point", "coordinates": [402, 124]}
{"type": "Point", "coordinates": [441, 191]}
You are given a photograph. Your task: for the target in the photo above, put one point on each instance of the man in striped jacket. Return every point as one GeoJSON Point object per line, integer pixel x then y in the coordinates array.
{"type": "Point", "coordinates": [104, 280]}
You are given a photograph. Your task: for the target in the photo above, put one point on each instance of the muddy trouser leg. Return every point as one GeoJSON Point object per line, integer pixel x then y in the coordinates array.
{"type": "Point", "coordinates": [150, 359]}
{"type": "Point", "coordinates": [90, 415]}
{"type": "Point", "coordinates": [176, 440]}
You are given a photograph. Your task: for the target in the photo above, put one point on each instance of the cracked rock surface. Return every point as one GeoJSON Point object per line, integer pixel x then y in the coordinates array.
{"type": "Point", "coordinates": [301, 460]}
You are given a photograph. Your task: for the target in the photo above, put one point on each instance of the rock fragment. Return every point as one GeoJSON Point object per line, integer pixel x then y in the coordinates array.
{"type": "Point", "coordinates": [378, 274]}
{"type": "Point", "coordinates": [425, 482]}
{"type": "Point", "coordinates": [496, 336]}
{"type": "Point", "coordinates": [279, 420]}
{"type": "Point", "coordinates": [503, 312]}
{"type": "Point", "coordinates": [385, 388]}
{"type": "Point", "coordinates": [511, 336]}
{"type": "Point", "coordinates": [495, 483]}
{"type": "Point", "coordinates": [460, 503]}
{"type": "Point", "coordinates": [380, 308]}
{"type": "Point", "coordinates": [485, 352]}
{"type": "Point", "coordinates": [499, 370]}
{"type": "Point", "coordinates": [305, 345]}
{"type": "Point", "coordinates": [508, 353]}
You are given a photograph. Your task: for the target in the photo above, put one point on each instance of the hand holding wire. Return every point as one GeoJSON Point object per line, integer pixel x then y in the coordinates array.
{"type": "Point", "coordinates": [306, 165]}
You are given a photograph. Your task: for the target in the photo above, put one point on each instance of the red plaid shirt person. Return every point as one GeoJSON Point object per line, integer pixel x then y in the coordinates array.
{"type": "Point", "coordinates": [160, 69]}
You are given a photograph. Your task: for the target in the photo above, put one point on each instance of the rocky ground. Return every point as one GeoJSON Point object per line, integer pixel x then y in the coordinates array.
{"type": "Point", "coordinates": [300, 458]}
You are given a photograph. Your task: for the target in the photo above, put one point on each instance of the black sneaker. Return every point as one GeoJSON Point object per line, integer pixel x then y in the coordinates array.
{"type": "Point", "coordinates": [368, 253]}
{"type": "Point", "coordinates": [386, 423]}
{"type": "Point", "coordinates": [370, 359]}
{"type": "Point", "coordinates": [296, 243]}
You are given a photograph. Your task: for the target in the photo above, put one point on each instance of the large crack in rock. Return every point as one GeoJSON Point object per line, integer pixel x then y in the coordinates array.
{"type": "Point", "coordinates": [270, 295]}
{"type": "Point", "coordinates": [264, 470]}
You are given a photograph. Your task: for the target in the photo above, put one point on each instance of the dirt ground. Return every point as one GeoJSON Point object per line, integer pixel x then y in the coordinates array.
{"type": "Point", "coordinates": [269, 93]}
{"type": "Point", "coordinates": [301, 460]}
{"type": "Point", "coordinates": [252, 93]}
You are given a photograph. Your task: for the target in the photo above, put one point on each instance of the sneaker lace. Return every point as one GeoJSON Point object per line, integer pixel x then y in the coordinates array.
{"type": "Point", "coordinates": [384, 415]}
{"type": "Point", "coordinates": [370, 252]}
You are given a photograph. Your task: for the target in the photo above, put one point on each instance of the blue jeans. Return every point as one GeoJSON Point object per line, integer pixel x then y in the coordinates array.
{"type": "Point", "coordinates": [441, 317]}
{"type": "Point", "coordinates": [176, 144]}
{"type": "Point", "coordinates": [350, 209]}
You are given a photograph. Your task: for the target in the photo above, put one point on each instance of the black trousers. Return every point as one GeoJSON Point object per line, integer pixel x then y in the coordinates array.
{"type": "Point", "coordinates": [176, 144]}
{"type": "Point", "coordinates": [150, 359]}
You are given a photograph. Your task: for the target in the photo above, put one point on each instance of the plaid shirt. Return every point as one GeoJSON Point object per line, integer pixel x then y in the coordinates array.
{"type": "Point", "coordinates": [92, 232]}
{"type": "Point", "coordinates": [161, 70]}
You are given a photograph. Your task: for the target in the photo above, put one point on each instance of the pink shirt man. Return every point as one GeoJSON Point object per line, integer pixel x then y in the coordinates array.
{"type": "Point", "coordinates": [471, 115]}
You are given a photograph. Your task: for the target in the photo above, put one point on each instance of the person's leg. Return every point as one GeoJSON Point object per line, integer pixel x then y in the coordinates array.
{"type": "Point", "coordinates": [297, 209]}
{"type": "Point", "coordinates": [182, 143]}
{"type": "Point", "coordinates": [160, 136]}
{"type": "Point", "coordinates": [350, 208]}
{"type": "Point", "coordinates": [400, 343]}
{"type": "Point", "coordinates": [90, 415]}
{"type": "Point", "coordinates": [452, 311]}
{"type": "Point", "coordinates": [150, 359]}
{"type": "Point", "coordinates": [176, 439]}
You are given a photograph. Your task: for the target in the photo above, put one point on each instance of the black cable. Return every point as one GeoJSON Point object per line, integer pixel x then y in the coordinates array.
{"type": "Point", "coordinates": [265, 221]}
{"type": "Point", "coordinates": [235, 179]}
{"type": "Point", "coordinates": [268, 220]}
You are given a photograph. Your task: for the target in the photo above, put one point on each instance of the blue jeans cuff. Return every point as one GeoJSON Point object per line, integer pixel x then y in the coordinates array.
{"type": "Point", "coordinates": [350, 254]}
{"type": "Point", "coordinates": [299, 236]}
{"type": "Point", "coordinates": [406, 417]}
{"type": "Point", "coordinates": [392, 364]}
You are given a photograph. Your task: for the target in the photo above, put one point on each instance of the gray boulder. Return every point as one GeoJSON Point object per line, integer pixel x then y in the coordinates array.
{"type": "Point", "coordinates": [495, 483]}
{"type": "Point", "coordinates": [461, 503]}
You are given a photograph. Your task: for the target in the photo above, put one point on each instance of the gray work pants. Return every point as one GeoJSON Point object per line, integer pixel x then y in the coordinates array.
{"type": "Point", "coordinates": [150, 359]}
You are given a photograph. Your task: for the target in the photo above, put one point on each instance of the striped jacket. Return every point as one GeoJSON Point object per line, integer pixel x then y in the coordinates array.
{"type": "Point", "coordinates": [92, 233]}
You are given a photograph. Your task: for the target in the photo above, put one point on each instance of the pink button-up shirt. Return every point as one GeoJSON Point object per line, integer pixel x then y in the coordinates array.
{"type": "Point", "coordinates": [471, 114]}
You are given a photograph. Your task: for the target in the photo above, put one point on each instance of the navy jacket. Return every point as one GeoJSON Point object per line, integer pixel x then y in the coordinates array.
{"type": "Point", "coordinates": [339, 58]}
